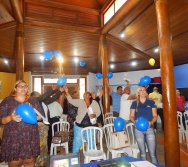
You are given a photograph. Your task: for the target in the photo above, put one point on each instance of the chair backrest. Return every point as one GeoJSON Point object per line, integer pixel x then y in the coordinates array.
{"type": "Point", "coordinates": [108, 129]}
{"type": "Point", "coordinates": [179, 119]}
{"type": "Point", "coordinates": [60, 126]}
{"type": "Point", "coordinates": [186, 120]}
{"type": "Point", "coordinates": [89, 138]}
{"type": "Point", "coordinates": [108, 114]}
{"type": "Point", "coordinates": [130, 133]}
{"type": "Point", "coordinates": [109, 120]}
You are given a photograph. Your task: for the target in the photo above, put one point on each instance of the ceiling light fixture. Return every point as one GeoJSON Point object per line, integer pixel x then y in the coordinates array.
{"type": "Point", "coordinates": [41, 57]}
{"type": "Point", "coordinates": [6, 61]}
{"type": "Point", "coordinates": [76, 60]}
{"type": "Point", "coordinates": [112, 66]}
{"type": "Point", "coordinates": [122, 35]}
{"type": "Point", "coordinates": [134, 63]}
{"type": "Point", "coordinates": [156, 50]}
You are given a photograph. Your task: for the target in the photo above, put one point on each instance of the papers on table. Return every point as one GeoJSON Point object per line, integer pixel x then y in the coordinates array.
{"type": "Point", "coordinates": [141, 164]}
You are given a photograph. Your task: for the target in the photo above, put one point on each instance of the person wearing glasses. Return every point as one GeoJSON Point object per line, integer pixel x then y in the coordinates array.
{"type": "Point", "coordinates": [20, 141]}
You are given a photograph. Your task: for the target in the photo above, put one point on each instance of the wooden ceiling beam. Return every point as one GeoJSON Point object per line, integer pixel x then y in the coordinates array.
{"type": "Point", "coordinates": [17, 10]}
{"type": "Point", "coordinates": [107, 4]}
{"type": "Point", "coordinates": [7, 25]}
{"type": "Point", "coordinates": [4, 15]}
{"type": "Point", "coordinates": [127, 46]}
{"type": "Point", "coordinates": [119, 16]}
{"type": "Point", "coordinates": [66, 71]}
{"type": "Point", "coordinates": [63, 6]}
{"type": "Point", "coordinates": [88, 29]}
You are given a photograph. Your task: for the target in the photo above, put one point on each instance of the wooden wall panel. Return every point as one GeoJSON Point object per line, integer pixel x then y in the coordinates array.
{"type": "Point", "coordinates": [49, 14]}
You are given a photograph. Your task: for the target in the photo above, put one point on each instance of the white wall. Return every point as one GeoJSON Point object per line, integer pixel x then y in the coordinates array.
{"type": "Point", "coordinates": [91, 82]}
{"type": "Point", "coordinates": [118, 79]}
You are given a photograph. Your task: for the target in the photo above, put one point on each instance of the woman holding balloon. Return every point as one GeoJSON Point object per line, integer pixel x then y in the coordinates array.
{"type": "Point", "coordinates": [20, 140]}
{"type": "Point", "coordinates": [144, 114]}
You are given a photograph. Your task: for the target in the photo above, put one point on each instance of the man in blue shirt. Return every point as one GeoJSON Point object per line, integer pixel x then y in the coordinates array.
{"type": "Point", "coordinates": [116, 98]}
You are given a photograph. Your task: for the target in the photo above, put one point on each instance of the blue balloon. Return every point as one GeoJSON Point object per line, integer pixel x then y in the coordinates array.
{"type": "Point", "coordinates": [146, 80]}
{"type": "Point", "coordinates": [48, 55]}
{"type": "Point", "coordinates": [61, 81]}
{"type": "Point", "coordinates": [98, 75]}
{"type": "Point", "coordinates": [141, 82]}
{"type": "Point", "coordinates": [110, 75]}
{"type": "Point", "coordinates": [141, 124]}
{"type": "Point", "coordinates": [119, 124]}
{"type": "Point", "coordinates": [27, 113]}
{"type": "Point", "coordinates": [57, 53]}
{"type": "Point", "coordinates": [82, 63]}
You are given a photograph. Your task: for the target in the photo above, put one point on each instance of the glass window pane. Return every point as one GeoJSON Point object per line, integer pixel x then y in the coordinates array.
{"type": "Point", "coordinates": [82, 87]}
{"type": "Point", "coordinates": [50, 80]}
{"type": "Point", "coordinates": [118, 4]}
{"type": "Point", "coordinates": [54, 80]}
{"type": "Point", "coordinates": [71, 80]}
{"type": "Point", "coordinates": [37, 85]}
{"type": "Point", "coordinates": [109, 13]}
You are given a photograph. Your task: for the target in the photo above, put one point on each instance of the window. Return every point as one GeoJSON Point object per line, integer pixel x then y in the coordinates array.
{"type": "Point", "coordinates": [109, 13]}
{"type": "Point", "coordinates": [113, 9]}
{"type": "Point", "coordinates": [41, 84]}
{"type": "Point", "coordinates": [54, 80]}
{"type": "Point", "coordinates": [37, 84]}
{"type": "Point", "coordinates": [82, 84]}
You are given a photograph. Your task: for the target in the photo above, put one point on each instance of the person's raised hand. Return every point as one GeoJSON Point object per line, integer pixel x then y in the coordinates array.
{"type": "Point", "coordinates": [66, 90]}
{"type": "Point", "coordinates": [61, 89]}
{"type": "Point", "coordinates": [92, 116]}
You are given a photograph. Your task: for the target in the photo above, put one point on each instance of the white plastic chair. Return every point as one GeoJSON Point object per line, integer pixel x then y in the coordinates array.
{"type": "Point", "coordinates": [108, 129]}
{"type": "Point", "coordinates": [186, 125]}
{"type": "Point", "coordinates": [133, 143]}
{"type": "Point", "coordinates": [61, 126]}
{"type": "Point", "coordinates": [180, 126]}
{"type": "Point", "coordinates": [109, 120]}
{"type": "Point", "coordinates": [132, 140]}
{"type": "Point", "coordinates": [108, 114]}
{"type": "Point", "coordinates": [90, 149]}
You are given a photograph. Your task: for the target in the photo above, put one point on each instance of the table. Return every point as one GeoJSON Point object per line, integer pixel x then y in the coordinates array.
{"type": "Point", "coordinates": [126, 158]}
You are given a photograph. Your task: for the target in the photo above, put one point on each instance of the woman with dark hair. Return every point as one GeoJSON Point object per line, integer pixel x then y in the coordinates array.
{"type": "Point", "coordinates": [180, 102]}
{"type": "Point", "coordinates": [146, 108]}
{"type": "Point", "coordinates": [20, 141]}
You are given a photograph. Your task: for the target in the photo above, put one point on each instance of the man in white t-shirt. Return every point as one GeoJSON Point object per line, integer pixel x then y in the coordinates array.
{"type": "Point", "coordinates": [125, 103]}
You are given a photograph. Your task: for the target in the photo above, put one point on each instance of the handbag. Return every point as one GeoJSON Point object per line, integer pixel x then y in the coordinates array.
{"type": "Point", "coordinates": [119, 140]}
{"type": "Point", "coordinates": [56, 140]}
{"type": "Point", "coordinates": [86, 121]}
{"type": "Point", "coordinates": [64, 136]}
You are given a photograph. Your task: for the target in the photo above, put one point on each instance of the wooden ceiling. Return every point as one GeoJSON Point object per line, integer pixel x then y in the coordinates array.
{"type": "Point", "coordinates": [73, 27]}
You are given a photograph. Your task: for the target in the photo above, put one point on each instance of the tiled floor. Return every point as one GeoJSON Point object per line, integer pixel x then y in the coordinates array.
{"type": "Point", "coordinates": [159, 151]}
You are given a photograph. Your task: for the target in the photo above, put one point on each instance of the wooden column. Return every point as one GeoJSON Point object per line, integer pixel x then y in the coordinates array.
{"type": "Point", "coordinates": [19, 52]}
{"type": "Point", "coordinates": [104, 57]}
{"type": "Point", "coordinates": [19, 40]}
{"type": "Point", "coordinates": [172, 149]}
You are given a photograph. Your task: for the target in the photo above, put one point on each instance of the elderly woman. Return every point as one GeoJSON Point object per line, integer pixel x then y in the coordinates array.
{"type": "Point", "coordinates": [84, 118]}
{"type": "Point", "coordinates": [143, 107]}
{"type": "Point", "coordinates": [20, 141]}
